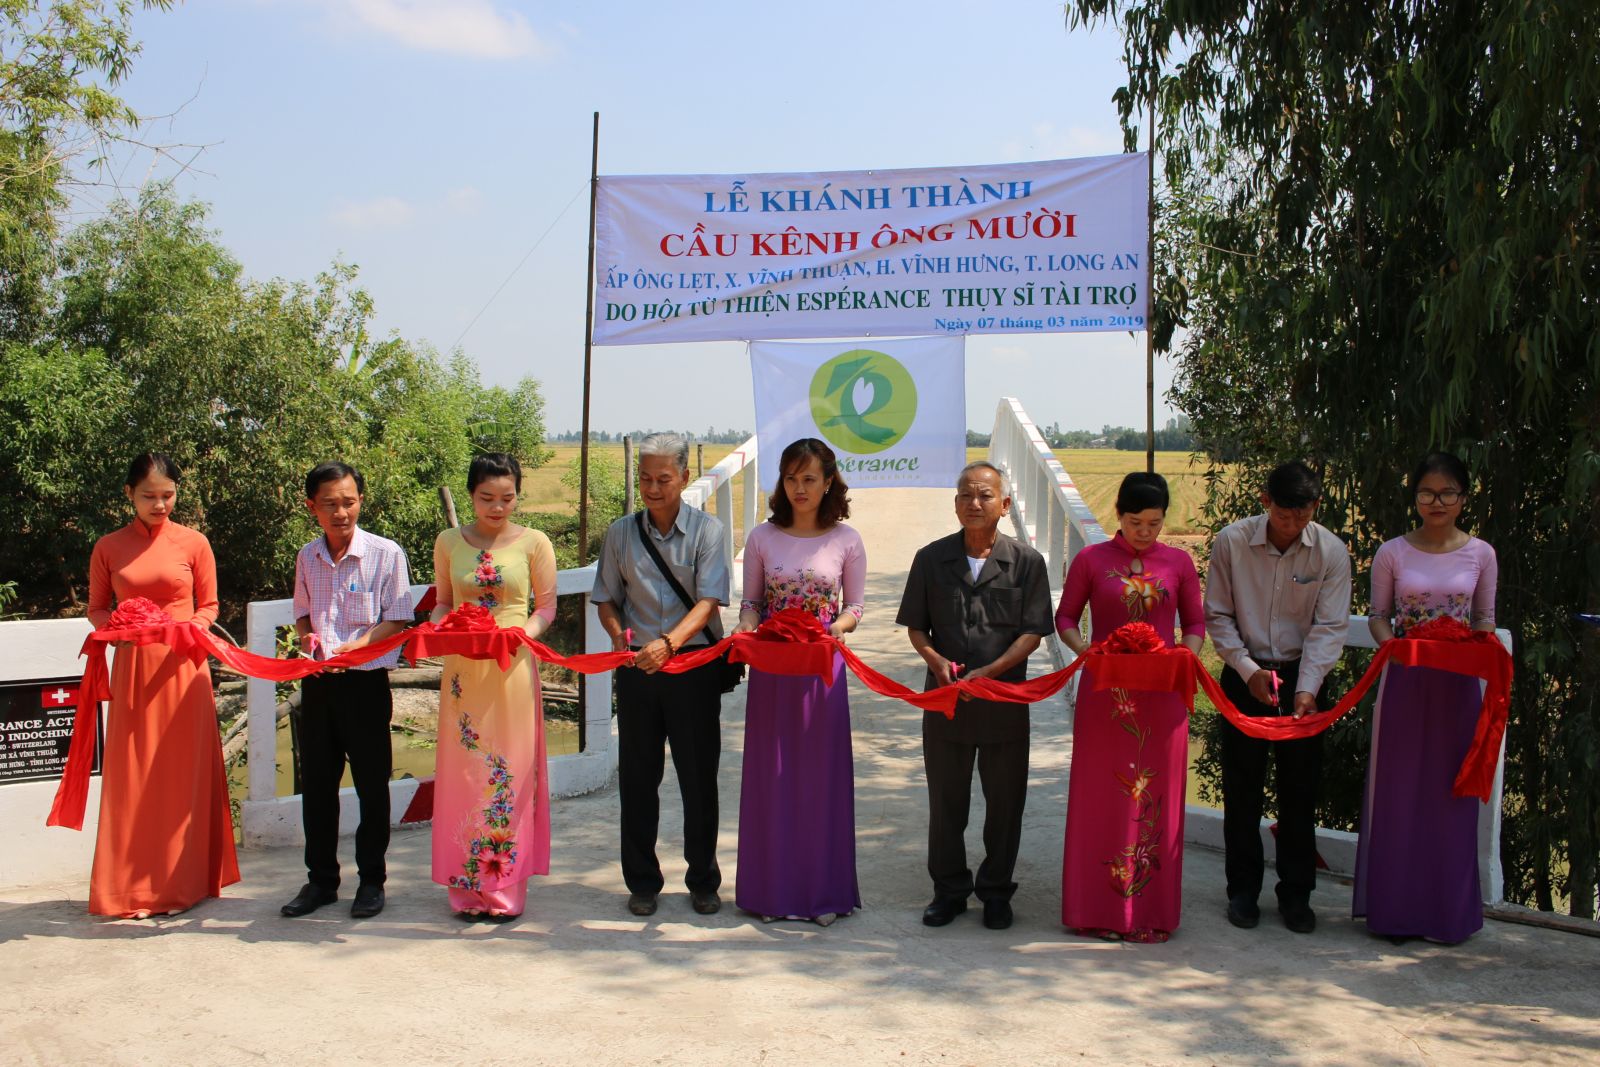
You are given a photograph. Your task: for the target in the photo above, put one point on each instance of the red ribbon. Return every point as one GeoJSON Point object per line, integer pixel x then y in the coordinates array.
{"type": "Point", "coordinates": [1442, 645]}
{"type": "Point", "coordinates": [793, 642]}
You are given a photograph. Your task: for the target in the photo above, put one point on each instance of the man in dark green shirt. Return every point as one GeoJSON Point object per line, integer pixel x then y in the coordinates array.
{"type": "Point", "coordinates": [982, 600]}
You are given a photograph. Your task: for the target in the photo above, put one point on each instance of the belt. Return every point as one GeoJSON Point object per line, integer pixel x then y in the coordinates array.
{"type": "Point", "coordinates": [685, 648]}
{"type": "Point", "coordinates": [1276, 664]}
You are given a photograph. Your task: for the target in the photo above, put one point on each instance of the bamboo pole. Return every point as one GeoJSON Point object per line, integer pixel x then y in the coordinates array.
{"type": "Point", "coordinates": [588, 350]}
{"type": "Point", "coordinates": [1150, 301]}
{"type": "Point", "coordinates": [583, 452]}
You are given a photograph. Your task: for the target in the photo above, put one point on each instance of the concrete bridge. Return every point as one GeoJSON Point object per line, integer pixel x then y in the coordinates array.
{"type": "Point", "coordinates": [579, 979]}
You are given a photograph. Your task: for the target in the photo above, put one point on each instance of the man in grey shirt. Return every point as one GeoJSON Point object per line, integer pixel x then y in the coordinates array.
{"type": "Point", "coordinates": [644, 614]}
{"type": "Point", "coordinates": [1277, 610]}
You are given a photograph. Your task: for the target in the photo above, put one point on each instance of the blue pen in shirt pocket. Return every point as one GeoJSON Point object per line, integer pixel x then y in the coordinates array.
{"type": "Point", "coordinates": [361, 609]}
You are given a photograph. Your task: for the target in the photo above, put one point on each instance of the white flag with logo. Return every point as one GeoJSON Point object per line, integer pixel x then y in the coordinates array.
{"type": "Point", "coordinates": [893, 411]}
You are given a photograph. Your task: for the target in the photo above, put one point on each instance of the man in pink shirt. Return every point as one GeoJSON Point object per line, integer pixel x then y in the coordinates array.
{"type": "Point", "coordinates": [351, 589]}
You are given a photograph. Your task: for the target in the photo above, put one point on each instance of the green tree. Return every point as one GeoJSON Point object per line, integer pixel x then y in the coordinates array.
{"type": "Point", "coordinates": [1376, 237]}
{"type": "Point", "coordinates": [139, 331]}
{"type": "Point", "coordinates": [509, 420]}
{"type": "Point", "coordinates": [59, 62]}
{"type": "Point", "coordinates": [58, 407]}
{"type": "Point", "coordinates": [161, 344]}
{"type": "Point", "coordinates": [607, 494]}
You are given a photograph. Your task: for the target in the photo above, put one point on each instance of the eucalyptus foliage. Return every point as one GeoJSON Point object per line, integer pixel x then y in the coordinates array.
{"type": "Point", "coordinates": [1376, 237]}
{"type": "Point", "coordinates": [139, 332]}
{"type": "Point", "coordinates": [59, 64]}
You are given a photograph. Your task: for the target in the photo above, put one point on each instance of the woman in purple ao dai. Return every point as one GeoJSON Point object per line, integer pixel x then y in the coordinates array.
{"type": "Point", "coordinates": [1417, 861]}
{"type": "Point", "coordinates": [797, 822]}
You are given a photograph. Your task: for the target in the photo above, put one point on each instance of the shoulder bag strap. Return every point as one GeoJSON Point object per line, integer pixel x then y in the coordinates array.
{"type": "Point", "coordinates": [666, 572]}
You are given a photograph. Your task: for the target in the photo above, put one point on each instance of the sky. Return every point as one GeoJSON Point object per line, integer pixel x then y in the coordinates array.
{"type": "Point", "coordinates": [443, 147]}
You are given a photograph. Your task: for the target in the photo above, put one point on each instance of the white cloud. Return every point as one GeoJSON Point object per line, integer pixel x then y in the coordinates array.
{"type": "Point", "coordinates": [381, 213]}
{"type": "Point", "coordinates": [458, 27]}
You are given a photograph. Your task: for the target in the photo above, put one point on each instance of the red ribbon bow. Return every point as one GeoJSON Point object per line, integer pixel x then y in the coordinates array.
{"type": "Point", "coordinates": [792, 624]}
{"type": "Point", "coordinates": [467, 619]}
{"type": "Point", "coordinates": [1443, 628]}
{"type": "Point", "coordinates": [790, 642]}
{"type": "Point", "coordinates": [1133, 638]}
{"type": "Point", "coordinates": [136, 613]}
{"type": "Point", "coordinates": [1135, 656]}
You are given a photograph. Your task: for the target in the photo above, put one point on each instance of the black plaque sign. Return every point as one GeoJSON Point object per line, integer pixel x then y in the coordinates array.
{"type": "Point", "coordinates": [36, 728]}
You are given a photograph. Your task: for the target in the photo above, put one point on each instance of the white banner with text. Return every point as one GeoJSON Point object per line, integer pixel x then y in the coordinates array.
{"type": "Point", "coordinates": [1055, 247]}
{"type": "Point", "coordinates": [894, 412]}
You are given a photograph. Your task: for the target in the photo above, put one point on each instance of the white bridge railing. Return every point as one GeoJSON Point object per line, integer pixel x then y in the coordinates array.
{"type": "Point", "coordinates": [273, 820]}
{"type": "Point", "coordinates": [1051, 515]}
{"type": "Point", "coordinates": [1046, 508]}
{"type": "Point", "coordinates": [716, 485]}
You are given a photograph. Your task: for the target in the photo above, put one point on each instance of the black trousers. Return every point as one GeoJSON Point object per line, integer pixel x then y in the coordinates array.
{"type": "Point", "coordinates": [1244, 777]}
{"type": "Point", "coordinates": [684, 711]}
{"type": "Point", "coordinates": [344, 717]}
{"type": "Point", "coordinates": [1003, 772]}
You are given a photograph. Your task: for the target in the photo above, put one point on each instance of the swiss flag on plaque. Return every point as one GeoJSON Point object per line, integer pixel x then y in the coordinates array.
{"type": "Point", "coordinates": [58, 696]}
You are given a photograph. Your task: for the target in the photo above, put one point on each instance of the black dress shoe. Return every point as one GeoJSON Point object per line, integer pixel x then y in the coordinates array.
{"type": "Point", "coordinates": [1298, 916]}
{"type": "Point", "coordinates": [1243, 912]}
{"type": "Point", "coordinates": [706, 903]}
{"type": "Point", "coordinates": [943, 910]}
{"type": "Point", "coordinates": [997, 914]}
{"type": "Point", "coordinates": [309, 899]}
{"type": "Point", "coordinates": [642, 904]}
{"type": "Point", "coordinates": [369, 901]}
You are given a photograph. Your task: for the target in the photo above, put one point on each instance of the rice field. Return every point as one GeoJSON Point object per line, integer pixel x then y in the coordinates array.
{"type": "Point", "coordinates": [1096, 471]}
{"type": "Point", "coordinates": [542, 489]}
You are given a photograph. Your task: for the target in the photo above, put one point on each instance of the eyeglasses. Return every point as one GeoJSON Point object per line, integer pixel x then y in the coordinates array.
{"type": "Point", "coordinates": [1449, 497]}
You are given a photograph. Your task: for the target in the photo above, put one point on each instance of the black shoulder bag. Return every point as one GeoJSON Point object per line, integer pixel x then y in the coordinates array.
{"type": "Point", "coordinates": [729, 674]}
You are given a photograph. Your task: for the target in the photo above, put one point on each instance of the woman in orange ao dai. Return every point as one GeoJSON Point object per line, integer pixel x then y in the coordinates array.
{"type": "Point", "coordinates": [165, 840]}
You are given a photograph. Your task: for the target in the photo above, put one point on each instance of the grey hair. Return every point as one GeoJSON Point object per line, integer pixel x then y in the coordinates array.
{"type": "Point", "coordinates": [983, 464]}
{"type": "Point", "coordinates": [674, 445]}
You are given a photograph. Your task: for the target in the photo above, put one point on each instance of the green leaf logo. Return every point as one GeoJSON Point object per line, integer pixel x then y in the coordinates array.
{"type": "Point", "coordinates": [863, 401]}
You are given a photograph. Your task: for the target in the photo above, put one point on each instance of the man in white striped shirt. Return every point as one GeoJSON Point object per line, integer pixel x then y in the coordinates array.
{"type": "Point", "coordinates": [351, 589]}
